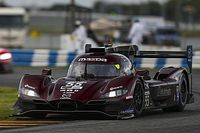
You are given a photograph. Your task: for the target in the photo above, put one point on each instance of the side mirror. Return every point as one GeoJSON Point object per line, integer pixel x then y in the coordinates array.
{"type": "Point", "coordinates": [46, 72]}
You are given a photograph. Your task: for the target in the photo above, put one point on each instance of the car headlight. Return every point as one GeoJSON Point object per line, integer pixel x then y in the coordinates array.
{"type": "Point", "coordinates": [5, 56]}
{"type": "Point", "coordinates": [26, 89]}
{"type": "Point", "coordinates": [115, 93]}
{"type": "Point", "coordinates": [29, 93]}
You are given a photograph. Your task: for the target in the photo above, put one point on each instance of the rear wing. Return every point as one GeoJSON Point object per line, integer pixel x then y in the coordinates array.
{"type": "Point", "coordinates": [186, 54]}
{"type": "Point", "coordinates": [132, 52]}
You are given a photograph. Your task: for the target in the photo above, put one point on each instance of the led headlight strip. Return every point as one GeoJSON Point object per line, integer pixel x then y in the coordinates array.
{"type": "Point", "coordinates": [115, 93]}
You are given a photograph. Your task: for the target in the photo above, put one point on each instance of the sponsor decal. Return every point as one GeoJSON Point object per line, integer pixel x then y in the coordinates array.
{"type": "Point", "coordinates": [164, 91]}
{"type": "Point", "coordinates": [29, 87]}
{"type": "Point", "coordinates": [65, 96]}
{"type": "Point", "coordinates": [127, 111]}
{"type": "Point", "coordinates": [117, 66]}
{"type": "Point", "coordinates": [115, 88]}
{"type": "Point", "coordinates": [93, 59]}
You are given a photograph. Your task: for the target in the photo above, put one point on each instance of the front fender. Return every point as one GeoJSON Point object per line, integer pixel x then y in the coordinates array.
{"type": "Point", "coordinates": [36, 83]}
{"type": "Point", "coordinates": [127, 82]}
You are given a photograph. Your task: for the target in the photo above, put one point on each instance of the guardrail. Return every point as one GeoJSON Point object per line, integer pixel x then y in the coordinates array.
{"type": "Point", "coordinates": [61, 58]}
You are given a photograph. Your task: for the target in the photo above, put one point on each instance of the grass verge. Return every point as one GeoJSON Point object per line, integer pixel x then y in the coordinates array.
{"type": "Point", "coordinates": [8, 96]}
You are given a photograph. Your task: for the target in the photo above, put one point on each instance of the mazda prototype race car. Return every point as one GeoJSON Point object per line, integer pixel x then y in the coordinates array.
{"type": "Point", "coordinates": [104, 81]}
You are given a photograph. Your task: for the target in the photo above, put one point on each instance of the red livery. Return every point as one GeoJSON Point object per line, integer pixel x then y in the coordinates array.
{"type": "Point", "coordinates": [104, 81]}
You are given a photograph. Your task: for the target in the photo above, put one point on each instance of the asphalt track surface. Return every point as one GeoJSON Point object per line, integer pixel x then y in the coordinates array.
{"type": "Point", "coordinates": [150, 122]}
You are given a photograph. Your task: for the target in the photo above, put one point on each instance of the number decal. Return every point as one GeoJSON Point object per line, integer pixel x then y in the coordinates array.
{"type": "Point", "coordinates": [146, 98]}
{"type": "Point", "coordinates": [74, 85]}
{"type": "Point", "coordinates": [65, 96]}
{"type": "Point", "coordinates": [69, 84]}
{"type": "Point", "coordinates": [71, 88]}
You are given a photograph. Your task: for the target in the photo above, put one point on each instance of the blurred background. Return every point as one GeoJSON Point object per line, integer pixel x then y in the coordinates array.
{"type": "Point", "coordinates": [43, 23]}
{"type": "Point", "coordinates": [41, 33]}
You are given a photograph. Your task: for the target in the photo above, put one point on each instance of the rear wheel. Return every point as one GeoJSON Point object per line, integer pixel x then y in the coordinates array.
{"type": "Point", "coordinates": [138, 99]}
{"type": "Point", "coordinates": [182, 94]}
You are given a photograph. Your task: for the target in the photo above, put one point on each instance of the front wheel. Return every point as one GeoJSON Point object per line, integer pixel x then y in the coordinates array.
{"type": "Point", "coordinates": [182, 94]}
{"type": "Point", "coordinates": [138, 98]}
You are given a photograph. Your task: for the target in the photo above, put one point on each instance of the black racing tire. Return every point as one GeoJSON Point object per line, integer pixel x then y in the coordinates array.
{"type": "Point", "coordinates": [138, 98]}
{"type": "Point", "coordinates": [183, 96]}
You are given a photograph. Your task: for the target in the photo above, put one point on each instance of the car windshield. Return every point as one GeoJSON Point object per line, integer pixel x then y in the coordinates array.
{"type": "Point", "coordinates": [88, 70]}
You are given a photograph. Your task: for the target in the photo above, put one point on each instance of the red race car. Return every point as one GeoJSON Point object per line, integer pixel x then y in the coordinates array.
{"type": "Point", "coordinates": [104, 81]}
{"type": "Point", "coordinates": [5, 60]}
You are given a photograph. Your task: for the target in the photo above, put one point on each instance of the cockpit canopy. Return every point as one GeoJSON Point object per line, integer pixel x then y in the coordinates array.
{"type": "Point", "coordinates": [92, 66]}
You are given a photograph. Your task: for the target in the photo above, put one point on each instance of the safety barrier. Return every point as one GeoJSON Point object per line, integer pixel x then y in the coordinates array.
{"type": "Point", "coordinates": [61, 58]}
{"type": "Point", "coordinates": [41, 57]}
